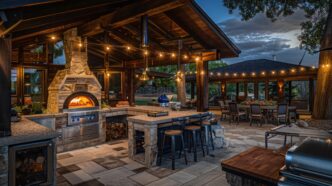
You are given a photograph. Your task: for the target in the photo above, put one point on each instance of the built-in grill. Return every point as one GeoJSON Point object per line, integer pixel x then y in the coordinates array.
{"type": "Point", "coordinates": [309, 163]}
{"type": "Point", "coordinates": [83, 125]}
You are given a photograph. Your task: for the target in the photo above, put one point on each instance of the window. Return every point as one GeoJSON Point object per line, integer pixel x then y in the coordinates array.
{"type": "Point", "coordinates": [273, 90]}
{"type": "Point", "coordinates": [231, 91]}
{"type": "Point", "coordinates": [13, 86]}
{"type": "Point", "coordinates": [34, 54]}
{"type": "Point", "coordinates": [251, 90]}
{"type": "Point", "coordinates": [58, 54]}
{"type": "Point", "coordinates": [33, 85]}
{"type": "Point", "coordinates": [115, 85]}
{"type": "Point", "coordinates": [261, 90]}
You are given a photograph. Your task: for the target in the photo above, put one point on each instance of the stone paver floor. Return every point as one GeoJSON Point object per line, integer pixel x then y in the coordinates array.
{"type": "Point", "coordinates": [108, 164]}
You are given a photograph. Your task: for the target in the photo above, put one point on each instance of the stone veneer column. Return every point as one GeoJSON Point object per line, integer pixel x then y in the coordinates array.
{"type": "Point", "coordinates": [150, 144]}
{"type": "Point", "coordinates": [4, 165]}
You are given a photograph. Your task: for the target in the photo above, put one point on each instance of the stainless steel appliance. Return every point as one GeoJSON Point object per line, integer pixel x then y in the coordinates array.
{"type": "Point", "coordinates": [309, 163]}
{"type": "Point", "coordinates": [83, 125]}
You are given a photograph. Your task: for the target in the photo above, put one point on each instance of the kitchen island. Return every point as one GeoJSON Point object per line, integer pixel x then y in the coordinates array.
{"type": "Point", "coordinates": [148, 126]}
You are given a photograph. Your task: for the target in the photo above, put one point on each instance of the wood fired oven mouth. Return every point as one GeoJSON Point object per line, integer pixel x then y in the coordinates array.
{"type": "Point", "coordinates": [80, 101]}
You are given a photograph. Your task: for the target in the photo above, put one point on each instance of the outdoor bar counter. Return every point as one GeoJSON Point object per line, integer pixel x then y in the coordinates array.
{"type": "Point", "coordinates": [149, 125]}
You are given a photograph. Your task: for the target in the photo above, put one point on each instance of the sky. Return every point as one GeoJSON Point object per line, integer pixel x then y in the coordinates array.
{"type": "Point", "coordinates": [259, 38]}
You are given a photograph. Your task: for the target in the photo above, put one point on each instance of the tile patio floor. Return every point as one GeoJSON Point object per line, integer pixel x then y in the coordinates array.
{"type": "Point", "coordinates": [108, 164]}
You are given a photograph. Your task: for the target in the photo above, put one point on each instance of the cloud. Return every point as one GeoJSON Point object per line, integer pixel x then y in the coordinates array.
{"type": "Point", "coordinates": [262, 25]}
{"type": "Point", "coordinates": [260, 38]}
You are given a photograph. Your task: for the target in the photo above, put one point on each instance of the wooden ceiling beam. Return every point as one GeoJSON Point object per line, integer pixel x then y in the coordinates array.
{"type": "Point", "coordinates": [24, 3]}
{"type": "Point", "coordinates": [129, 14]}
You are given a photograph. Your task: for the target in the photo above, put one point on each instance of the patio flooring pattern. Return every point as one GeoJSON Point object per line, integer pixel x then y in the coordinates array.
{"type": "Point", "coordinates": [108, 164]}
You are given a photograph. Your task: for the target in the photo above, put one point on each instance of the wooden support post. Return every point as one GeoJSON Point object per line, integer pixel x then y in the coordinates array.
{"type": "Point", "coordinates": [192, 90]}
{"type": "Point", "coordinates": [237, 92]}
{"type": "Point", "coordinates": [289, 92]}
{"type": "Point", "coordinates": [245, 90]}
{"type": "Point", "coordinates": [130, 86]}
{"type": "Point", "coordinates": [5, 75]}
{"type": "Point", "coordinates": [20, 77]}
{"type": "Point", "coordinates": [311, 94]}
{"type": "Point", "coordinates": [107, 76]}
{"type": "Point", "coordinates": [267, 89]}
{"type": "Point", "coordinates": [202, 85]}
{"type": "Point", "coordinates": [256, 89]}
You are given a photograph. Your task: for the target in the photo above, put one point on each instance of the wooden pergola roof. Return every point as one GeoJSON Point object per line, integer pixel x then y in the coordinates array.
{"type": "Point", "coordinates": [117, 23]}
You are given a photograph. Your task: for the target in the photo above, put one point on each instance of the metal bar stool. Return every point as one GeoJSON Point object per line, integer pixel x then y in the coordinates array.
{"type": "Point", "coordinates": [206, 125]}
{"type": "Point", "coordinates": [194, 132]}
{"type": "Point", "coordinates": [174, 134]}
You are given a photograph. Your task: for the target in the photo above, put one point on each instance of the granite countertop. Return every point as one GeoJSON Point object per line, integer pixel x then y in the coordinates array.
{"type": "Point", "coordinates": [26, 131]}
{"type": "Point", "coordinates": [144, 119]}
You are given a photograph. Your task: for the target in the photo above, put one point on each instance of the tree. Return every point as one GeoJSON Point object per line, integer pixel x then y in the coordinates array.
{"type": "Point", "coordinates": [316, 34]}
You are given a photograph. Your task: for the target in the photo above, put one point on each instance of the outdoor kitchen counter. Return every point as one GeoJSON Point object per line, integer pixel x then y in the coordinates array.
{"type": "Point", "coordinates": [26, 131]}
{"type": "Point", "coordinates": [149, 126]}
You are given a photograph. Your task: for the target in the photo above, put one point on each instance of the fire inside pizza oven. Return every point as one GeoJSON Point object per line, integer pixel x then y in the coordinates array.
{"type": "Point", "coordinates": [81, 100]}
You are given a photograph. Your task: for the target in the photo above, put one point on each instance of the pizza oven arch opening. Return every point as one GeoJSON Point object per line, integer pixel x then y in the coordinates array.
{"type": "Point", "coordinates": [80, 100]}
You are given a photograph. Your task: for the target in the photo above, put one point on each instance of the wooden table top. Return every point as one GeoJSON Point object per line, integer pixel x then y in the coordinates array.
{"type": "Point", "coordinates": [257, 162]}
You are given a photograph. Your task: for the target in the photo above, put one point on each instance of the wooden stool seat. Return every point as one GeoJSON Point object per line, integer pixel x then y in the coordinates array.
{"type": "Point", "coordinates": [192, 127]}
{"type": "Point", "coordinates": [206, 122]}
{"type": "Point", "coordinates": [173, 132]}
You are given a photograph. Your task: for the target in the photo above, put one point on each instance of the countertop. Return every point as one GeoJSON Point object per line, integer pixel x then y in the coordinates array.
{"type": "Point", "coordinates": [144, 119]}
{"type": "Point", "coordinates": [26, 131]}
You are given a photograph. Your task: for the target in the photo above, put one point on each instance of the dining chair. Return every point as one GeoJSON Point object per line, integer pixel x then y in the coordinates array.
{"type": "Point", "coordinates": [256, 113]}
{"type": "Point", "coordinates": [282, 113]}
{"type": "Point", "coordinates": [223, 109]}
{"type": "Point", "coordinates": [234, 112]}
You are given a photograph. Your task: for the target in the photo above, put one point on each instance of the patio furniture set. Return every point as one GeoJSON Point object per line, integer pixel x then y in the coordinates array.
{"type": "Point", "coordinates": [254, 112]}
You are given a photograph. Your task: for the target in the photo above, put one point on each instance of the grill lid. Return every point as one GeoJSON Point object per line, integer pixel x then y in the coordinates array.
{"type": "Point", "coordinates": [313, 156]}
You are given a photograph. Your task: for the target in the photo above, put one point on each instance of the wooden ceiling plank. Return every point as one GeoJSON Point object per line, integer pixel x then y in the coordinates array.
{"type": "Point", "coordinates": [128, 14]}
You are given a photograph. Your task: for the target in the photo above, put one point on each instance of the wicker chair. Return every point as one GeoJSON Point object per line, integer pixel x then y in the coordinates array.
{"type": "Point", "coordinates": [256, 114]}
{"type": "Point", "coordinates": [282, 113]}
{"type": "Point", "coordinates": [224, 110]}
{"type": "Point", "coordinates": [234, 112]}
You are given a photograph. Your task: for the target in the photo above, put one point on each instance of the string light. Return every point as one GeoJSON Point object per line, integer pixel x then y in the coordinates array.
{"type": "Point", "coordinates": [146, 52]}
{"type": "Point", "coordinates": [226, 74]}
{"type": "Point", "coordinates": [302, 68]}
{"type": "Point", "coordinates": [108, 48]}
{"type": "Point", "coordinates": [173, 55]}
{"type": "Point", "coordinates": [185, 57]}
{"type": "Point", "coordinates": [128, 48]}
{"type": "Point", "coordinates": [202, 72]}
{"type": "Point", "coordinates": [282, 71]}
{"type": "Point", "coordinates": [263, 73]}
{"type": "Point", "coordinates": [108, 74]}
{"type": "Point", "coordinates": [313, 67]}
{"type": "Point", "coordinates": [211, 73]}
{"type": "Point", "coordinates": [53, 37]}
{"type": "Point", "coordinates": [243, 74]}
{"type": "Point", "coordinates": [197, 59]}
{"type": "Point", "coordinates": [80, 45]}
{"type": "Point", "coordinates": [219, 74]}
{"type": "Point", "coordinates": [253, 74]}
{"type": "Point", "coordinates": [292, 70]}
{"type": "Point", "coordinates": [161, 55]}
{"type": "Point", "coordinates": [273, 72]}
{"type": "Point", "coordinates": [235, 74]}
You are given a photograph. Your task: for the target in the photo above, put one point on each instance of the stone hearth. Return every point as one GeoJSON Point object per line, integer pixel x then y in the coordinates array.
{"type": "Point", "coordinates": [76, 77]}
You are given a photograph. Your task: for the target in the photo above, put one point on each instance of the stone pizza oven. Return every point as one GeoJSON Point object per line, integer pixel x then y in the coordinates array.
{"type": "Point", "coordinates": [75, 87]}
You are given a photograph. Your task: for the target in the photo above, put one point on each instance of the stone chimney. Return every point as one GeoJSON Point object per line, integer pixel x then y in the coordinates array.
{"type": "Point", "coordinates": [76, 77]}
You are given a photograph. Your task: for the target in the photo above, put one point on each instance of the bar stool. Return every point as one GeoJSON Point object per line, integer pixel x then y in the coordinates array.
{"type": "Point", "coordinates": [194, 132]}
{"type": "Point", "coordinates": [174, 134]}
{"type": "Point", "coordinates": [207, 129]}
